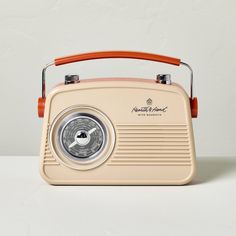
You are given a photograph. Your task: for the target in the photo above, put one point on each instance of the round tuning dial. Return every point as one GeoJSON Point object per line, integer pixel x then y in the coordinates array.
{"type": "Point", "coordinates": [83, 136]}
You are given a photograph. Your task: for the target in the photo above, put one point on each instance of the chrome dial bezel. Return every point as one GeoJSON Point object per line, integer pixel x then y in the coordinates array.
{"type": "Point", "coordinates": [75, 116]}
{"type": "Point", "coordinates": [80, 163]}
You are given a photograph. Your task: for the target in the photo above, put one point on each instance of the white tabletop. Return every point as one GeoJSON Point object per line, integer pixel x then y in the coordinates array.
{"type": "Point", "coordinates": [29, 206]}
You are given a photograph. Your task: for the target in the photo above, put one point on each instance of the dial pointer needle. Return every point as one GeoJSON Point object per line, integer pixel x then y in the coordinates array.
{"type": "Point", "coordinates": [73, 144]}
{"type": "Point", "coordinates": [91, 130]}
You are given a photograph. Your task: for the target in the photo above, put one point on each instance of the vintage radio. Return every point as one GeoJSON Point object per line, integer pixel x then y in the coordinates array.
{"type": "Point", "coordinates": [117, 131]}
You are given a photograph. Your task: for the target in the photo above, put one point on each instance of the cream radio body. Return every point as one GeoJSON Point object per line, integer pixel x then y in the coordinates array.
{"type": "Point", "coordinates": [117, 131]}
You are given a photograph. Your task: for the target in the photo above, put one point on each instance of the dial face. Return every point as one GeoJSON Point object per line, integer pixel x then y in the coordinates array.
{"type": "Point", "coordinates": [83, 136]}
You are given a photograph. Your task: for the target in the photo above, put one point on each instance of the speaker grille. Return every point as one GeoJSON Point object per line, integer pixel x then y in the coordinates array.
{"type": "Point", "coordinates": [48, 157]}
{"type": "Point", "coordinates": [166, 145]}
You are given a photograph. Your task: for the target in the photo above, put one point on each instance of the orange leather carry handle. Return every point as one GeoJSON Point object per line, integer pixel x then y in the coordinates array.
{"type": "Point", "coordinates": [116, 54]}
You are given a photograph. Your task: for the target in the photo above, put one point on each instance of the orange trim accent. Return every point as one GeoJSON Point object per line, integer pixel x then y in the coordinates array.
{"type": "Point", "coordinates": [194, 107]}
{"type": "Point", "coordinates": [116, 54]}
{"type": "Point", "coordinates": [41, 106]}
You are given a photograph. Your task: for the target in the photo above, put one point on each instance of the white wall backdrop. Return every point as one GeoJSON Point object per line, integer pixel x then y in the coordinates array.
{"type": "Point", "coordinates": [202, 33]}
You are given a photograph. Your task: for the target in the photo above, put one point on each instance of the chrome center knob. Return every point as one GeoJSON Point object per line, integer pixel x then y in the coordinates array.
{"type": "Point", "coordinates": [82, 137]}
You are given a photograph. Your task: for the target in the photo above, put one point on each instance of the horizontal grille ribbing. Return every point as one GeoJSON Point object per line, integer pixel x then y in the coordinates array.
{"type": "Point", "coordinates": [48, 157]}
{"type": "Point", "coordinates": [152, 145]}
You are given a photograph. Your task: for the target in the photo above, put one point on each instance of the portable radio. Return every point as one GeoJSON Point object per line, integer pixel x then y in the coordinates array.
{"type": "Point", "coordinates": [117, 131]}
